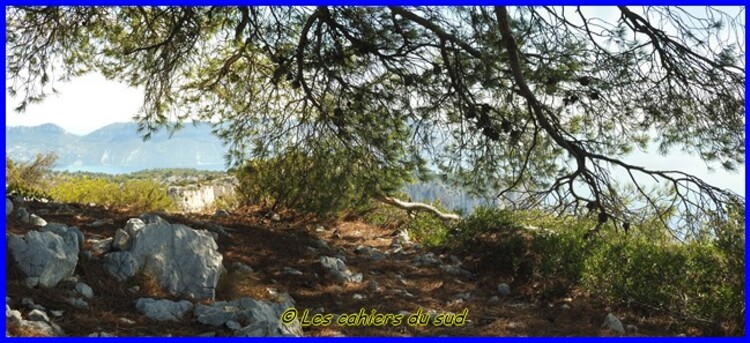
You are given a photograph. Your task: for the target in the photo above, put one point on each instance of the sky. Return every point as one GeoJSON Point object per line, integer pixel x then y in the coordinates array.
{"type": "Point", "coordinates": [91, 102]}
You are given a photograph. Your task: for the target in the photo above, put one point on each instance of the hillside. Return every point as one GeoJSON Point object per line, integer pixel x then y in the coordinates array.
{"type": "Point", "coordinates": [117, 148]}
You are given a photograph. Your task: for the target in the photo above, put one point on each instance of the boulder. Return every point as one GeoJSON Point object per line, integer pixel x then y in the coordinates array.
{"type": "Point", "coordinates": [8, 207]}
{"type": "Point", "coordinates": [260, 317]}
{"type": "Point", "coordinates": [611, 322]}
{"type": "Point", "coordinates": [163, 309]}
{"type": "Point", "coordinates": [152, 218]}
{"type": "Point", "coordinates": [184, 261]}
{"type": "Point", "coordinates": [121, 265]}
{"type": "Point", "coordinates": [44, 257]}
{"type": "Point", "coordinates": [13, 316]}
{"type": "Point", "coordinates": [69, 232]}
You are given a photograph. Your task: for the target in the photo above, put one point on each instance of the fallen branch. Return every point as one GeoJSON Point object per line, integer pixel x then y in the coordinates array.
{"type": "Point", "coordinates": [418, 206]}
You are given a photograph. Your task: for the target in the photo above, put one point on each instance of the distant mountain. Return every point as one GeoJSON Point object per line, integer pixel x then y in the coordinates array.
{"type": "Point", "coordinates": [118, 148]}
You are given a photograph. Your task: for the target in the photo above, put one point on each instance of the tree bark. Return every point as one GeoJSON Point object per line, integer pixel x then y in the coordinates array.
{"type": "Point", "coordinates": [418, 206]}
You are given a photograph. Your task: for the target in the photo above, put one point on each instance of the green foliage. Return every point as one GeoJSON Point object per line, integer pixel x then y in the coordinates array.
{"type": "Point", "coordinates": [29, 179]}
{"type": "Point", "coordinates": [324, 182]}
{"type": "Point", "coordinates": [692, 280]}
{"type": "Point", "coordinates": [138, 195]}
{"type": "Point", "coordinates": [700, 280]}
{"type": "Point", "coordinates": [423, 227]}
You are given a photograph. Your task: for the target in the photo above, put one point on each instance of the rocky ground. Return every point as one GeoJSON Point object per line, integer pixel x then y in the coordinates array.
{"type": "Point", "coordinates": [266, 264]}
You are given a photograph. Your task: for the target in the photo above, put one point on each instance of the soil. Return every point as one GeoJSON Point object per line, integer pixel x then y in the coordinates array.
{"type": "Point", "coordinates": [270, 246]}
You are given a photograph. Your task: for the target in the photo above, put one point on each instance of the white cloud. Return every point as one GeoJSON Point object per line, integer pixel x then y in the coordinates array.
{"type": "Point", "coordinates": [83, 105]}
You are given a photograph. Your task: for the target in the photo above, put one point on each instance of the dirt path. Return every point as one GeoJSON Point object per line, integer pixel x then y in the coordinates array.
{"type": "Point", "coordinates": [271, 248]}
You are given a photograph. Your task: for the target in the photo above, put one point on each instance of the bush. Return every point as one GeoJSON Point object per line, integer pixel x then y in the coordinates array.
{"type": "Point", "coordinates": [698, 281]}
{"type": "Point", "coordinates": [324, 182]}
{"type": "Point", "coordinates": [29, 179]}
{"type": "Point", "coordinates": [137, 195]}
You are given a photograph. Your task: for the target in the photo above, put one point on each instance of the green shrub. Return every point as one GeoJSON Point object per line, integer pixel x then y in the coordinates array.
{"type": "Point", "coordinates": [325, 182]}
{"type": "Point", "coordinates": [137, 195]}
{"type": "Point", "coordinates": [29, 179]}
{"type": "Point", "coordinates": [693, 280]}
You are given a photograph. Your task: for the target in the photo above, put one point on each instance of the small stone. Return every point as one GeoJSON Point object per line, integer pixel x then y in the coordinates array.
{"type": "Point", "coordinates": [320, 228]}
{"type": "Point", "coordinates": [122, 240]}
{"type": "Point", "coordinates": [320, 244]}
{"type": "Point", "coordinates": [292, 271]}
{"type": "Point", "coordinates": [98, 223]}
{"type": "Point", "coordinates": [494, 299]}
{"type": "Point", "coordinates": [373, 286]}
{"type": "Point", "coordinates": [463, 296]}
{"type": "Point", "coordinates": [37, 220]}
{"type": "Point", "coordinates": [38, 316]}
{"type": "Point", "coordinates": [358, 296]}
{"type": "Point", "coordinates": [376, 255]}
{"type": "Point", "coordinates": [232, 325]}
{"type": "Point", "coordinates": [101, 246]}
{"type": "Point", "coordinates": [361, 249]}
{"type": "Point", "coordinates": [611, 322]}
{"type": "Point", "coordinates": [503, 289]}
{"type": "Point", "coordinates": [8, 207]}
{"type": "Point", "coordinates": [208, 334]}
{"type": "Point", "coordinates": [632, 328]}
{"type": "Point", "coordinates": [57, 314]}
{"type": "Point", "coordinates": [23, 215]}
{"type": "Point", "coordinates": [565, 307]}
{"type": "Point", "coordinates": [84, 290]}
{"type": "Point", "coordinates": [241, 267]}
{"type": "Point", "coordinates": [134, 289]}
{"type": "Point", "coordinates": [220, 213]}
{"type": "Point", "coordinates": [356, 278]}
{"type": "Point", "coordinates": [78, 302]}
{"type": "Point", "coordinates": [276, 217]}
{"type": "Point", "coordinates": [127, 321]}
{"type": "Point", "coordinates": [71, 279]}
{"type": "Point", "coordinates": [134, 225]}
